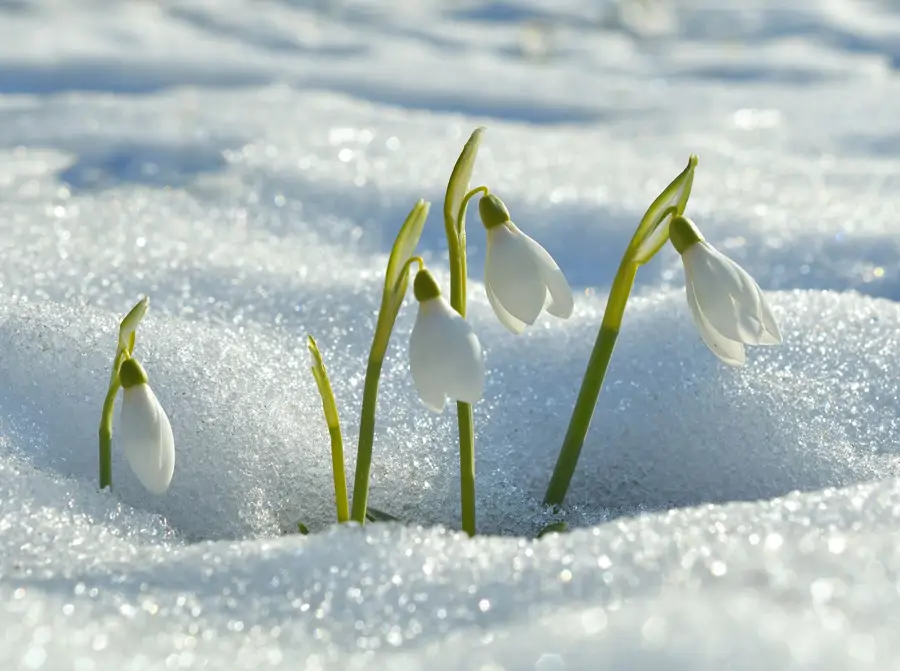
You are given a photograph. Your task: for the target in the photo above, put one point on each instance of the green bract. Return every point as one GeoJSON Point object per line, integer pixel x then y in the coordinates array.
{"type": "Point", "coordinates": [458, 186]}
{"type": "Point", "coordinates": [396, 278]}
{"type": "Point", "coordinates": [653, 231]}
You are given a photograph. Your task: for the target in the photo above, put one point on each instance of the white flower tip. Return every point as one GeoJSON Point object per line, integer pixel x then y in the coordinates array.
{"type": "Point", "coordinates": [157, 486]}
{"type": "Point", "coordinates": [437, 409]}
{"type": "Point", "coordinates": [733, 362]}
{"type": "Point", "coordinates": [561, 306]}
{"type": "Point", "coordinates": [770, 338]}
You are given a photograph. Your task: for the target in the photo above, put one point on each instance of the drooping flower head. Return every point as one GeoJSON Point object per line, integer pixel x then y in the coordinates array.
{"type": "Point", "coordinates": [520, 277]}
{"type": "Point", "coordinates": [445, 357]}
{"type": "Point", "coordinates": [727, 305]}
{"type": "Point", "coordinates": [144, 430]}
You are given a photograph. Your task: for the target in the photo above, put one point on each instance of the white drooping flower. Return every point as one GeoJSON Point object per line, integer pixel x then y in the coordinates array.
{"type": "Point", "coordinates": [445, 357]}
{"type": "Point", "coordinates": [520, 277]}
{"type": "Point", "coordinates": [144, 430]}
{"type": "Point", "coordinates": [727, 305]}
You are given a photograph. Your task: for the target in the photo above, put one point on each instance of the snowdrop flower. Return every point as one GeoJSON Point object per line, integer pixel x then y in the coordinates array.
{"type": "Point", "coordinates": [726, 304]}
{"type": "Point", "coordinates": [520, 277]}
{"type": "Point", "coordinates": [445, 357]}
{"type": "Point", "coordinates": [144, 430]}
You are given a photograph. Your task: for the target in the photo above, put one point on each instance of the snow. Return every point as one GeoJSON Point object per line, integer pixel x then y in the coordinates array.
{"type": "Point", "coordinates": [247, 165]}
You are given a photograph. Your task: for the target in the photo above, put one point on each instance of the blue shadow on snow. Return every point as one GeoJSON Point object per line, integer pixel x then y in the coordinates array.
{"type": "Point", "coordinates": [155, 165]}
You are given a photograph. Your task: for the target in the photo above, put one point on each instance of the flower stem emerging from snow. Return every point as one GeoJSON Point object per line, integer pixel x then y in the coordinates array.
{"type": "Point", "coordinates": [396, 280]}
{"type": "Point", "coordinates": [455, 202]}
{"type": "Point", "coordinates": [106, 421]}
{"type": "Point", "coordinates": [124, 349]}
{"type": "Point", "coordinates": [650, 236]}
{"type": "Point", "coordinates": [329, 406]}
{"type": "Point", "coordinates": [553, 528]}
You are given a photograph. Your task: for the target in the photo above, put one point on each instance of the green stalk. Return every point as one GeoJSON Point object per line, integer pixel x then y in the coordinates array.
{"type": "Point", "coordinates": [651, 234]}
{"type": "Point", "coordinates": [106, 427]}
{"type": "Point", "coordinates": [592, 384]}
{"type": "Point", "coordinates": [465, 419]}
{"type": "Point", "coordinates": [466, 423]}
{"type": "Point", "coordinates": [456, 243]}
{"type": "Point", "coordinates": [396, 279]}
{"type": "Point", "coordinates": [366, 441]}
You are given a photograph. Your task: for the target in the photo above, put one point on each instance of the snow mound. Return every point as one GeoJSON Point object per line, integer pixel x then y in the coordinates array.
{"type": "Point", "coordinates": [673, 427]}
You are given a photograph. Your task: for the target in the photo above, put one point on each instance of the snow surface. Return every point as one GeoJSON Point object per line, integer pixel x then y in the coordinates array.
{"type": "Point", "coordinates": [247, 165]}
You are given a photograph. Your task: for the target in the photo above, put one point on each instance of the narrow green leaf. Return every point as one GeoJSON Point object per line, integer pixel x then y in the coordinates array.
{"type": "Point", "coordinates": [329, 406]}
{"type": "Point", "coordinates": [458, 186]}
{"type": "Point", "coordinates": [324, 384]}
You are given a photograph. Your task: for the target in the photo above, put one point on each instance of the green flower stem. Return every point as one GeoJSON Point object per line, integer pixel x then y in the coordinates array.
{"type": "Point", "coordinates": [592, 383]}
{"type": "Point", "coordinates": [366, 440]}
{"type": "Point", "coordinates": [456, 243]}
{"type": "Point", "coordinates": [463, 269]}
{"type": "Point", "coordinates": [396, 280]}
{"type": "Point", "coordinates": [106, 418]}
{"type": "Point", "coordinates": [367, 418]}
{"type": "Point", "coordinates": [106, 428]}
{"type": "Point", "coordinates": [466, 423]}
{"type": "Point", "coordinates": [651, 234]}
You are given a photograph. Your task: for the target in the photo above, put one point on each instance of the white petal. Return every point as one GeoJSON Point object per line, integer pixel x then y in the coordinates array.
{"type": "Point", "coordinates": [511, 272]}
{"type": "Point", "coordinates": [146, 438]}
{"type": "Point", "coordinates": [729, 351]}
{"type": "Point", "coordinates": [560, 300]}
{"type": "Point", "coordinates": [510, 322]}
{"type": "Point", "coordinates": [728, 296]}
{"type": "Point", "coordinates": [461, 360]}
{"type": "Point", "coordinates": [445, 356]}
{"type": "Point", "coordinates": [422, 355]}
{"type": "Point", "coordinates": [751, 309]}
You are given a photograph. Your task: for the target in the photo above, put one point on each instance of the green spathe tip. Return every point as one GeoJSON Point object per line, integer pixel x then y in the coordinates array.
{"type": "Point", "coordinates": [492, 211]}
{"type": "Point", "coordinates": [132, 373]}
{"type": "Point", "coordinates": [424, 286]}
{"type": "Point", "coordinates": [683, 234]}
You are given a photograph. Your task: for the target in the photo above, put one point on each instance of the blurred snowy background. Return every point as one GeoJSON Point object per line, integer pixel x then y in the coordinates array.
{"type": "Point", "coordinates": [247, 164]}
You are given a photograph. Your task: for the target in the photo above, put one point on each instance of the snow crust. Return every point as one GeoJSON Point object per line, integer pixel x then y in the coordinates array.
{"type": "Point", "coordinates": [247, 165]}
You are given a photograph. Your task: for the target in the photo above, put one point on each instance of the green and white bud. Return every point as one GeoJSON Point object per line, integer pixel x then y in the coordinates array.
{"type": "Point", "coordinates": [144, 430]}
